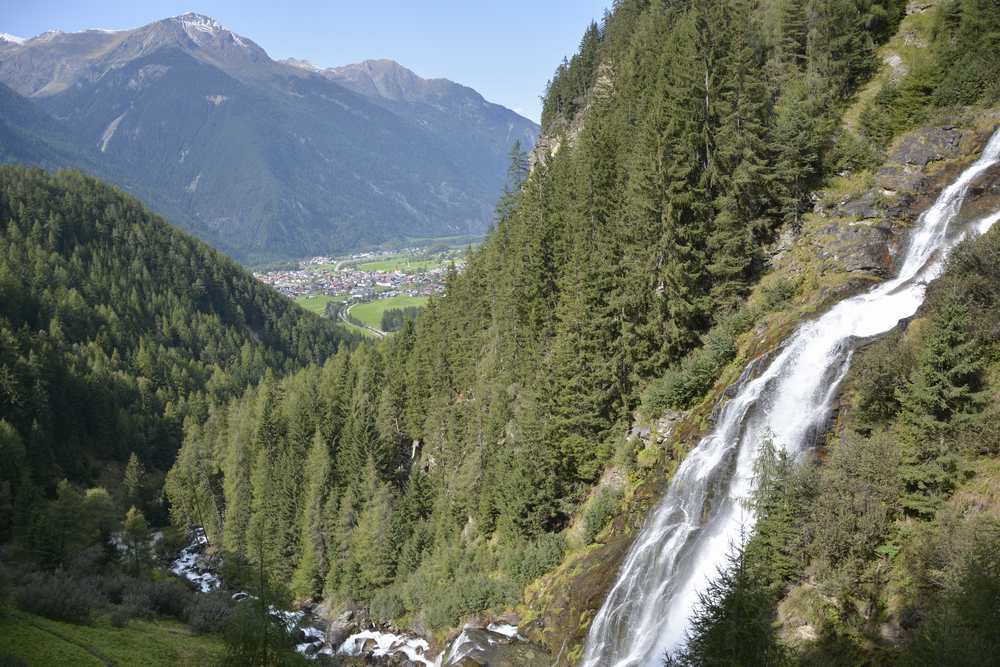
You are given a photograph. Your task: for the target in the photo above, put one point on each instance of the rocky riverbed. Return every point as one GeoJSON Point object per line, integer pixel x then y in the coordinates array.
{"type": "Point", "coordinates": [494, 643]}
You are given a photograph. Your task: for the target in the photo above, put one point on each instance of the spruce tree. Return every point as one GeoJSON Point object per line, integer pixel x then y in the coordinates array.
{"type": "Point", "coordinates": [943, 392]}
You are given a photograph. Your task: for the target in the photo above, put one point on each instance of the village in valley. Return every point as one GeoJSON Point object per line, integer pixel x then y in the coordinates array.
{"type": "Point", "coordinates": [375, 281]}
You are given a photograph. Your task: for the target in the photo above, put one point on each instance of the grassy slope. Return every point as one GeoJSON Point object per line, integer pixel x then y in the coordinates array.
{"type": "Point", "coordinates": [40, 641]}
{"type": "Point", "coordinates": [371, 313]}
{"type": "Point", "coordinates": [316, 303]}
{"type": "Point", "coordinates": [896, 57]}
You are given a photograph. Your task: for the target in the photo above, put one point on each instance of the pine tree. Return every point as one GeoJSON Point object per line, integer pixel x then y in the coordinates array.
{"type": "Point", "coordinates": [733, 623]}
{"type": "Point", "coordinates": [690, 170]}
{"type": "Point", "coordinates": [313, 563]}
{"type": "Point", "coordinates": [136, 536]}
{"type": "Point", "coordinates": [133, 481]}
{"type": "Point", "coordinates": [794, 140]}
{"type": "Point", "coordinates": [942, 393]}
{"type": "Point", "coordinates": [741, 155]}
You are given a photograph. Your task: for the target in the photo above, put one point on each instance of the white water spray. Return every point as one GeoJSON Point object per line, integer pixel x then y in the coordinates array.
{"type": "Point", "coordinates": [688, 536]}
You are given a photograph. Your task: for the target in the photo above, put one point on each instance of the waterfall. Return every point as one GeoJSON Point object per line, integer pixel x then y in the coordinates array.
{"type": "Point", "coordinates": [687, 537]}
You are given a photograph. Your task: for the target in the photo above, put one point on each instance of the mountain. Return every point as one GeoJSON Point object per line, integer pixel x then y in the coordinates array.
{"type": "Point", "coordinates": [266, 159]}
{"type": "Point", "coordinates": [455, 114]}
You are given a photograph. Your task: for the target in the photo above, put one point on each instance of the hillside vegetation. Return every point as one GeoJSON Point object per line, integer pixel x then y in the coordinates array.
{"type": "Point", "coordinates": [114, 329]}
{"type": "Point", "coordinates": [467, 443]}
{"type": "Point", "coordinates": [703, 189]}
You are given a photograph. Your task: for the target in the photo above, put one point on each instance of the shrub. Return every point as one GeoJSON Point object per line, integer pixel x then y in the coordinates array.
{"type": "Point", "coordinates": [174, 539]}
{"type": "Point", "coordinates": [386, 605]}
{"type": "Point", "coordinates": [683, 384]}
{"type": "Point", "coordinates": [58, 596]}
{"type": "Point", "coordinates": [120, 616]}
{"type": "Point", "coordinates": [536, 558]}
{"type": "Point", "coordinates": [600, 510]}
{"type": "Point", "coordinates": [11, 660]}
{"type": "Point", "coordinates": [210, 612]}
{"type": "Point", "coordinates": [113, 587]}
{"type": "Point", "coordinates": [880, 373]}
{"type": "Point", "coordinates": [138, 602]}
{"type": "Point", "coordinates": [169, 597]}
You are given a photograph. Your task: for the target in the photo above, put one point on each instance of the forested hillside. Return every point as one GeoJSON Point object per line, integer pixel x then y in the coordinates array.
{"type": "Point", "coordinates": [453, 464]}
{"type": "Point", "coordinates": [114, 329]}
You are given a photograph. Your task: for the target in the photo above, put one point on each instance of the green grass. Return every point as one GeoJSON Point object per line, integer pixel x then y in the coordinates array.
{"type": "Point", "coordinates": [909, 45]}
{"type": "Point", "coordinates": [317, 303]}
{"type": "Point", "coordinates": [40, 641]}
{"type": "Point", "coordinates": [371, 313]}
{"type": "Point", "coordinates": [322, 267]}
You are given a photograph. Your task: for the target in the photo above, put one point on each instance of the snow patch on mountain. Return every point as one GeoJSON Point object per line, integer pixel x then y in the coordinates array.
{"type": "Point", "coordinates": [109, 132]}
{"type": "Point", "coordinates": [199, 25]}
{"type": "Point", "coordinates": [301, 64]}
{"type": "Point", "coordinates": [199, 22]}
{"type": "Point", "coordinates": [12, 39]}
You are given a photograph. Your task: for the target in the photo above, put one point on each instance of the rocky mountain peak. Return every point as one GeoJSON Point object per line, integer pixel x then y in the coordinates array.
{"type": "Point", "coordinates": [198, 22]}
{"type": "Point", "coordinates": [388, 80]}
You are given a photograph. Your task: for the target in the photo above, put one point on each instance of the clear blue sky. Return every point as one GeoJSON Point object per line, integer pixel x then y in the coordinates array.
{"type": "Point", "coordinates": [505, 49]}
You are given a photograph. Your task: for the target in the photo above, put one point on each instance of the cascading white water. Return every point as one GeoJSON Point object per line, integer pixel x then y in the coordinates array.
{"type": "Point", "coordinates": [689, 535]}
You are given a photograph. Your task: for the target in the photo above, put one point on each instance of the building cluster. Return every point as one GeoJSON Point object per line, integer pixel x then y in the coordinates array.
{"type": "Point", "coordinates": [321, 275]}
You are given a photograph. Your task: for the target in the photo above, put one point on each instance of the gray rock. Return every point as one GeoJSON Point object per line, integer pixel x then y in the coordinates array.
{"type": "Point", "coordinates": [918, 6]}
{"type": "Point", "coordinates": [858, 248]}
{"type": "Point", "coordinates": [482, 648]}
{"type": "Point", "coordinates": [899, 178]}
{"type": "Point", "coordinates": [340, 629]}
{"type": "Point", "coordinates": [863, 207]}
{"type": "Point", "coordinates": [784, 243]}
{"type": "Point", "coordinates": [928, 145]}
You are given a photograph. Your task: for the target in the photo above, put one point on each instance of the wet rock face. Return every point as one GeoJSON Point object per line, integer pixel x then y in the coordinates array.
{"type": "Point", "coordinates": [932, 144]}
{"type": "Point", "coordinates": [341, 627]}
{"type": "Point", "coordinates": [858, 248]}
{"type": "Point", "coordinates": [482, 647]}
{"type": "Point", "coordinates": [904, 176]}
{"type": "Point", "coordinates": [984, 196]}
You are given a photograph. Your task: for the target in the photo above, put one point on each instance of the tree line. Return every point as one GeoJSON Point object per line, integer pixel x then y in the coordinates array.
{"type": "Point", "coordinates": [457, 450]}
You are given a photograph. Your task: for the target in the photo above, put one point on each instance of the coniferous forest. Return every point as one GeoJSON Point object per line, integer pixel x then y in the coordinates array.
{"type": "Point", "coordinates": [449, 470]}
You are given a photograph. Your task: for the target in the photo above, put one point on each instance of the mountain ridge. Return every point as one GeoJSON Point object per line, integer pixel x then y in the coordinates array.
{"type": "Point", "coordinates": [262, 158]}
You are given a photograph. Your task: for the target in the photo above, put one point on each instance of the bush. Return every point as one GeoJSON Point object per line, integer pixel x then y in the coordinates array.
{"type": "Point", "coordinates": [851, 153]}
{"type": "Point", "coordinates": [210, 612]}
{"type": "Point", "coordinates": [386, 605]}
{"type": "Point", "coordinates": [683, 384]}
{"type": "Point", "coordinates": [169, 597]}
{"type": "Point", "coordinates": [601, 509]}
{"type": "Point", "coordinates": [174, 539]}
{"type": "Point", "coordinates": [138, 602]}
{"type": "Point", "coordinates": [114, 586]}
{"type": "Point", "coordinates": [120, 616]}
{"type": "Point", "coordinates": [536, 558]}
{"type": "Point", "coordinates": [58, 596]}
{"type": "Point", "coordinates": [879, 374]}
